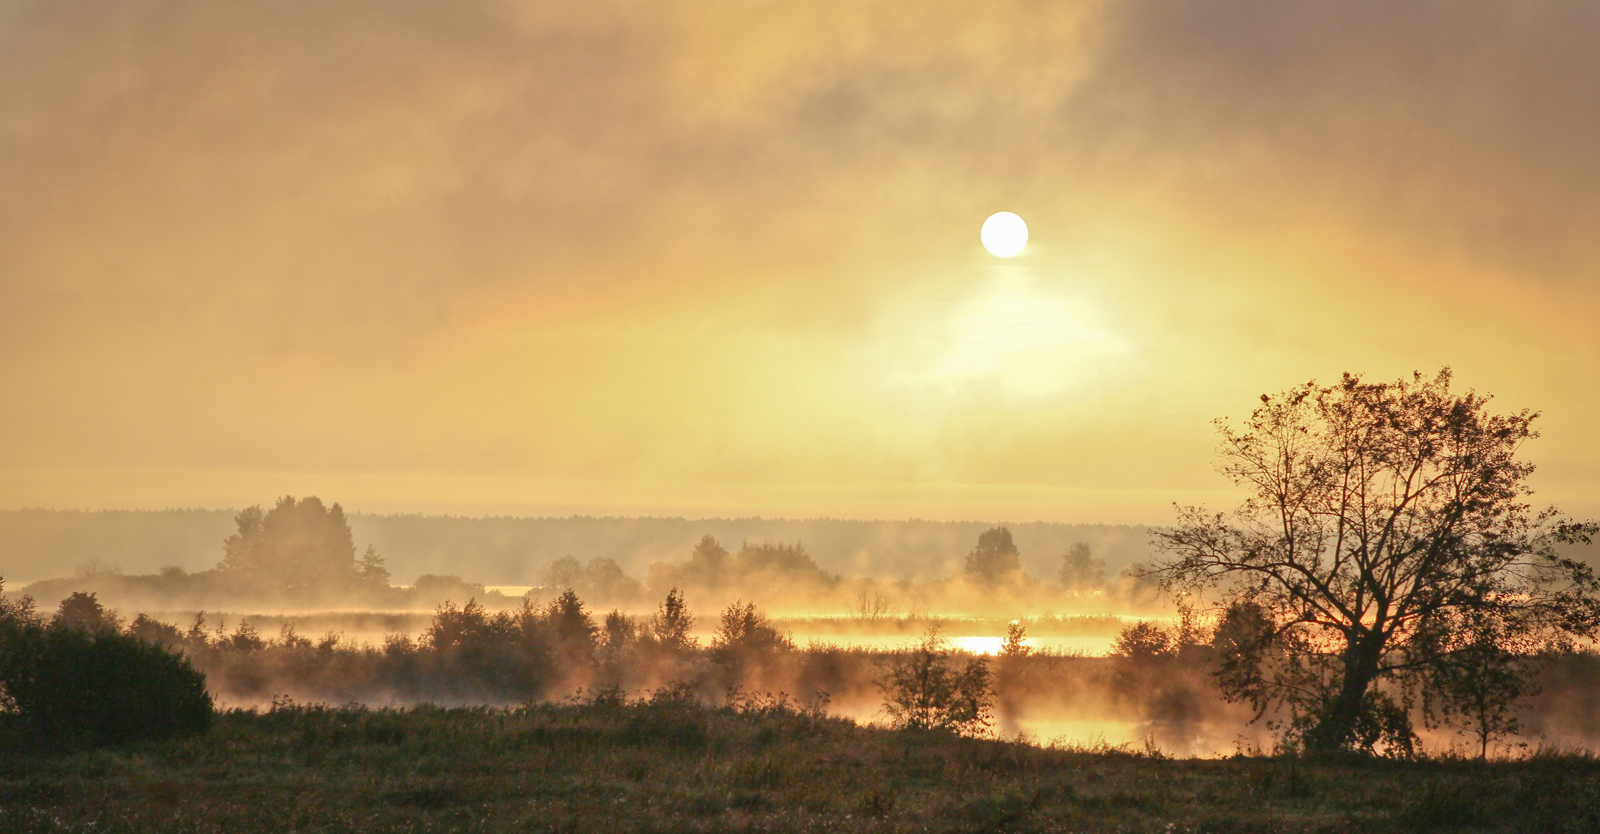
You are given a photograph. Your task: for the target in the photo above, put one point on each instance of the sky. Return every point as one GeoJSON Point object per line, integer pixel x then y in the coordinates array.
{"type": "Point", "coordinates": [721, 258]}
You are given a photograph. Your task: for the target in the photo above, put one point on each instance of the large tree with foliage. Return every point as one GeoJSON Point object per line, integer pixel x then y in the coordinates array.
{"type": "Point", "coordinates": [1384, 523]}
{"type": "Point", "coordinates": [996, 558]}
{"type": "Point", "coordinates": [298, 544]}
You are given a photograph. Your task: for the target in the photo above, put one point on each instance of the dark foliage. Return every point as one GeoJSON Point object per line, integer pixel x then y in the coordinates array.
{"type": "Point", "coordinates": [995, 559]}
{"type": "Point", "coordinates": [926, 690]}
{"type": "Point", "coordinates": [76, 681]}
{"type": "Point", "coordinates": [745, 635]}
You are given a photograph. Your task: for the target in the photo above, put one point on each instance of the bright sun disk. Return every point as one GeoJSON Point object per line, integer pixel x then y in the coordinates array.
{"type": "Point", "coordinates": [1004, 234]}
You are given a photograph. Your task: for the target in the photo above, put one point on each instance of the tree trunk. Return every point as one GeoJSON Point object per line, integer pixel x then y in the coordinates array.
{"type": "Point", "coordinates": [1335, 730]}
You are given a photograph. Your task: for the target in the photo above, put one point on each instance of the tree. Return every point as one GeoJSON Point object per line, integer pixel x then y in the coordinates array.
{"type": "Point", "coordinates": [745, 633]}
{"type": "Point", "coordinates": [995, 558]}
{"type": "Point", "coordinates": [1080, 570]}
{"type": "Point", "coordinates": [1480, 671]}
{"type": "Point", "coordinates": [618, 634]}
{"type": "Point", "coordinates": [670, 625]}
{"type": "Point", "coordinates": [708, 563]}
{"type": "Point", "coordinates": [371, 568]}
{"type": "Point", "coordinates": [601, 578]}
{"type": "Point", "coordinates": [924, 691]}
{"type": "Point", "coordinates": [296, 544]}
{"type": "Point", "coordinates": [84, 611]}
{"type": "Point", "coordinates": [571, 627]}
{"type": "Point", "coordinates": [1143, 642]}
{"type": "Point", "coordinates": [565, 572]}
{"type": "Point", "coordinates": [1379, 515]}
{"type": "Point", "coordinates": [1010, 666]}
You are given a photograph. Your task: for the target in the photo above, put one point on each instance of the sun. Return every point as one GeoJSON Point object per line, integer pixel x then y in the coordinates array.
{"type": "Point", "coordinates": [1004, 234]}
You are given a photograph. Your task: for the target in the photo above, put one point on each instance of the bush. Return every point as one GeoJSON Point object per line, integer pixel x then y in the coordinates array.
{"type": "Point", "coordinates": [746, 634]}
{"type": "Point", "coordinates": [923, 690]}
{"type": "Point", "coordinates": [65, 685]}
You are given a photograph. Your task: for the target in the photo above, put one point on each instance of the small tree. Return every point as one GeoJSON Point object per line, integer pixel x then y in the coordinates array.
{"type": "Point", "coordinates": [1379, 515]}
{"type": "Point", "coordinates": [745, 634]}
{"type": "Point", "coordinates": [1010, 666]}
{"type": "Point", "coordinates": [618, 633]}
{"type": "Point", "coordinates": [1014, 646]}
{"type": "Point", "coordinates": [371, 568]}
{"type": "Point", "coordinates": [1143, 642]}
{"type": "Point", "coordinates": [708, 564]}
{"type": "Point", "coordinates": [1479, 672]}
{"type": "Point", "coordinates": [671, 624]}
{"type": "Point", "coordinates": [572, 628]}
{"type": "Point", "coordinates": [924, 691]}
{"type": "Point", "coordinates": [84, 611]}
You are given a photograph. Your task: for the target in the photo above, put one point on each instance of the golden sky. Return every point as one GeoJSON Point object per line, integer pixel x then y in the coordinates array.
{"type": "Point", "coordinates": [721, 258]}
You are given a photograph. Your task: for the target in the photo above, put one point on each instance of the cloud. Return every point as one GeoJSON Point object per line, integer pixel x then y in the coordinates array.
{"type": "Point", "coordinates": [1445, 127]}
{"type": "Point", "coordinates": [627, 239]}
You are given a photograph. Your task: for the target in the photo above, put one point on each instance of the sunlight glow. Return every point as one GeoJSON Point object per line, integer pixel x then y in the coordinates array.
{"type": "Point", "coordinates": [1013, 342]}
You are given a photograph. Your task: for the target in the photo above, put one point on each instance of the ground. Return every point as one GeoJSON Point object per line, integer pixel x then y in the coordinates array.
{"type": "Point", "coordinates": [676, 766]}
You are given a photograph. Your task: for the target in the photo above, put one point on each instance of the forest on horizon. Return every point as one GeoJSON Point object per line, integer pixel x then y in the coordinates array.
{"type": "Point", "coordinates": [38, 544]}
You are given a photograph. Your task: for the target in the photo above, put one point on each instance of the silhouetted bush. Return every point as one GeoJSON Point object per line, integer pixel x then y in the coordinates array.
{"type": "Point", "coordinates": [745, 635]}
{"type": "Point", "coordinates": [924, 691]}
{"type": "Point", "coordinates": [79, 682]}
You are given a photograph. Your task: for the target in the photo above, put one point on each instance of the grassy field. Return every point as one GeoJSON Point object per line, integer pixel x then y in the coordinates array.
{"type": "Point", "coordinates": [675, 766]}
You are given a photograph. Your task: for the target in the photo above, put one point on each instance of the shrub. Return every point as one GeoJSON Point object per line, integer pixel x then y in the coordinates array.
{"type": "Point", "coordinates": [923, 690]}
{"type": "Point", "coordinates": [1143, 642]}
{"type": "Point", "coordinates": [746, 634]}
{"type": "Point", "coordinates": [74, 686]}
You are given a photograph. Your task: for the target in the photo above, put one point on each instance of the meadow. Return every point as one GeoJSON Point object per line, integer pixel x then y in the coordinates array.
{"type": "Point", "coordinates": [670, 763]}
{"type": "Point", "coordinates": [521, 716]}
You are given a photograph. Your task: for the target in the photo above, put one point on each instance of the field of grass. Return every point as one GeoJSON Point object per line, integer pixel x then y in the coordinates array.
{"type": "Point", "coordinates": [673, 765]}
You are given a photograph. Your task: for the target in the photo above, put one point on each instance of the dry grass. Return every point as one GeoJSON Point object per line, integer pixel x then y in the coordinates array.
{"type": "Point", "coordinates": [756, 766]}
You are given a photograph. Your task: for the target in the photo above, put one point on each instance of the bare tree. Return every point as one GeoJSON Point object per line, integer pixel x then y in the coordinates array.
{"type": "Point", "coordinates": [1380, 516]}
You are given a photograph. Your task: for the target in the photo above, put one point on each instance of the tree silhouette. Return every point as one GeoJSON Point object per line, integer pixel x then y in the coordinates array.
{"type": "Point", "coordinates": [745, 634]}
{"type": "Point", "coordinates": [371, 567]}
{"type": "Point", "coordinates": [671, 624]}
{"type": "Point", "coordinates": [84, 611]}
{"type": "Point", "coordinates": [78, 681]}
{"type": "Point", "coordinates": [1080, 570]}
{"type": "Point", "coordinates": [1380, 516]}
{"type": "Point", "coordinates": [296, 544]}
{"type": "Point", "coordinates": [995, 558]}
{"type": "Point", "coordinates": [925, 691]}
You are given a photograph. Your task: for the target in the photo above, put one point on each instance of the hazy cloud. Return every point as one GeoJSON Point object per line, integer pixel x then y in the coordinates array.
{"type": "Point", "coordinates": [634, 239]}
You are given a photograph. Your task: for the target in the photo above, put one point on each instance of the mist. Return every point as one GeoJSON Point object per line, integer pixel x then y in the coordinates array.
{"type": "Point", "coordinates": [1089, 653]}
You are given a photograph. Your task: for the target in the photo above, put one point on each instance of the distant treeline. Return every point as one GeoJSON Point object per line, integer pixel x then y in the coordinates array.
{"type": "Point", "coordinates": [43, 544]}
{"type": "Point", "coordinates": [301, 555]}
